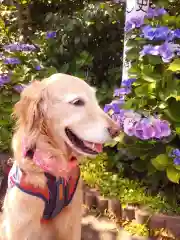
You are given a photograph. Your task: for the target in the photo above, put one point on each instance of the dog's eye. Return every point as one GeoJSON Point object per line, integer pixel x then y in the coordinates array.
{"type": "Point", "coordinates": [78, 102]}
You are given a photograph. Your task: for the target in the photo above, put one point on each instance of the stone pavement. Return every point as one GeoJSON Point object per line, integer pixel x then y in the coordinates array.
{"type": "Point", "coordinates": [97, 227]}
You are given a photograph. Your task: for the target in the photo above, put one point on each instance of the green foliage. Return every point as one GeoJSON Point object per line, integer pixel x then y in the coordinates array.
{"type": "Point", "coordinates": [137, 229]}
{"type": "Point", "coordinates": [95, 173]}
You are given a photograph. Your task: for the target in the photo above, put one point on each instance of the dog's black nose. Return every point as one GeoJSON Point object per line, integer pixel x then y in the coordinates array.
{"type": "Point", "coordinates": [114, 132]}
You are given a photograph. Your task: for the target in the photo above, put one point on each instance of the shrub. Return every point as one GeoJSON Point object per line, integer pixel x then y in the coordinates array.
{"type": "Point", "coordinates": [148, 148]}
{"type": "Point", "coordinates": [115, 185]}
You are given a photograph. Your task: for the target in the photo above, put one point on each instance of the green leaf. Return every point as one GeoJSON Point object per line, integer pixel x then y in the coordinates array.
{"type": "Point", "coordinates": [173, 110]}
{"type": "Point", "coordinates": [175, 65]}
{"type": "Point", "coordinates": [173, 174]}
{"type": "Point", "coordinates": [177, 130]}
{"type": "Point", "coordinates": [139, 166]}
{"type": "Point", "coordinates": [50, 71]}
{"type": "Point", "coordinates": [128, 104]}
{"type": "Point", "coordinates": [160, 162]}
{"type": "Point", "coordinates": [64, 68]}
{"type": "Point", "coordinates": [4, 122]}
{"type": "Point", "coordinates": [133, 54]}
{"type": "Point", "coordinates": [170, 20]}
{"type": "Point", "coordinates": [15, 97]}
{"type": "Point", "coordinates": [102, 5]}
{"type": "Point", "coordinates": [149, 75]}
{"type": "Point", "coordinates": [154, 60]}
{"type": "Point", "coordinates": [144, 89]}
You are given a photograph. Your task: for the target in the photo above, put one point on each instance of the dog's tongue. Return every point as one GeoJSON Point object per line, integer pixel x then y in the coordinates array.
{"type": "Point", "coordinates": [94, 146]}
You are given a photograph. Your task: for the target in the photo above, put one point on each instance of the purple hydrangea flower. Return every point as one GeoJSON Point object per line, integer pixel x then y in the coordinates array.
{"type": "Point", "coordinates": [176, 33]}
{"type": "Point", "coordinates": [38, 68]}
{"type": "Point", "coordinates": [120, 99]}
{"type": "Point", "coordinates": [19, 88]}
{"type": "Point", "coordinates": [159, 33]}
{"type": "Point", "coordinates": [167, 52]}
{"type": "Point", "coordinates": [117, 92]}
{"type": "Point", "coordinates": [161, 11]}
{"type": "Point", "coordinates": [129, 126]}
{"type": "Point", "coordinates": [119, 118]}
{"type": "Point", "coordinates": [51, 34]}
{"type": "Point", "coordinates": [121, 91]}
{"type": "Point", "coordinates": [134, 23]}
{"type": "Point", "coordinates": [148, 128]}
{"type": "Point", "coordinates": [11, 60]}
{"type": "Point", "coordinates": [128, 26]}
{"type": "Point", "coordinates": [177, 161]}
{"type": "Point", "coordinates": [4, 78]}
{"type": "Point", "coordinates": [15, 47]}
{"type": "Point", "coordinates": [144, 128]}
{"type": "Point", "coordinates": [114, 106]}
{"type": "Point", "coordinates": [130, 120]}
{"type": "Point", "coordinates": [125, 90]}
{"type": "Point", "coordinates": [161, 128]}
{"type": "Point", "coordinates": [165, 128]}
{"type": "Point", "coordinates": [155, 12]}
{"type": "Point", "coordinates": [107, 108]}
{"type": "Point", "coordinates": [149, 49]}
{"type": "Point", "coordinates": [128, 82]}
{"type": "Point", "coordinates": [176, 152]}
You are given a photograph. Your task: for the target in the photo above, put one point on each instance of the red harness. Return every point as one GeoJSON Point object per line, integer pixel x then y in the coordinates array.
{"type": "Point", "coordinates": [57, 194]}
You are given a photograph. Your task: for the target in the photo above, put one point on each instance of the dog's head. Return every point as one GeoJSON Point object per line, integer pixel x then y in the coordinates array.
{"type": "Point", "coordinates": [66, 108]}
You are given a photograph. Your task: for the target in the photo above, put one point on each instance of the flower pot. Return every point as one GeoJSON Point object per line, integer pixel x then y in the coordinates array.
{"type": "Point", "coordinates": [114, 207]}
{"type": "Point", "coordinates": [102, 203]}
{"type": "Point", "coordinates": [142, 216]}
{"type": "Point", "coordinates": [128, 213]}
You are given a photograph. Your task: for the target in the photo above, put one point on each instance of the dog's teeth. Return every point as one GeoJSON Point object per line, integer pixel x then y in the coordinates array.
{"type": "Point", "coordinates": [93, 146]}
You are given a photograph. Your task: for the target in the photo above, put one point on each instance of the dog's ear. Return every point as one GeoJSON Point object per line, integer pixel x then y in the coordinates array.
{"type": "Point", "coordinates": [28, 112]}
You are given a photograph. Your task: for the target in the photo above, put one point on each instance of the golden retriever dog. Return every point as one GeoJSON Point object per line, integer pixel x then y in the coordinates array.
{"type": "Point", "coordinates": [58, 122]}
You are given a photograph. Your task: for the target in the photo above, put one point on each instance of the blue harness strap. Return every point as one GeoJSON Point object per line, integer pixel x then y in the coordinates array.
{"type": "Point", "coordinates": [57, 194]}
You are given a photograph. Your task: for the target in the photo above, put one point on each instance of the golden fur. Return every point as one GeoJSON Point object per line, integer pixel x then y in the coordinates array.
{"type": "Point", "coordinates": [43, 112]}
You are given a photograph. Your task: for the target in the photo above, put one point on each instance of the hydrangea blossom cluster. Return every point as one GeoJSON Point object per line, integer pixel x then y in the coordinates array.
{"type": "Point", "coordinates": [167, 51]}
{"type": "Point", "coordinates": [19, 47]}
{"type": "Point", "coordinates": [4, 78]}
{"type": "Point", "coordinates": [133, 23]}
{"type": "Point", "coordinates": [11, 60]}
{"type": "Point", "coordinates": [134, 124]}
{"type": "Point", "coordinates": [137, 22]}
{"type": "Point", "coordinates": [125, 88]}
{"type": "Point", "coordinates": [160, 33]}
{"type": "Point", "coordinates": [51, 34]}
{"type": "Point", "coordinates": [176, 155]}
{"type": "Point", "coordinates": [155, 12]}
{"type": "Point", "coordinates": [19, 88]}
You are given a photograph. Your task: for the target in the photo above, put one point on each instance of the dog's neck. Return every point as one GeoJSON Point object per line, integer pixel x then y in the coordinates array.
{"type": "Point", "coordinates": [48, 151]}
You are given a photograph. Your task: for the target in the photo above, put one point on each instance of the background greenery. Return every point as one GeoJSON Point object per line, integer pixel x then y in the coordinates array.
{"type": "Point", "coordinates": [85, 38]}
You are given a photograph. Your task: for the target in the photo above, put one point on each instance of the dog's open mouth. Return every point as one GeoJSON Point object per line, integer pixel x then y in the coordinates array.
{"type": "Point", "coordinates": [85, 146]}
